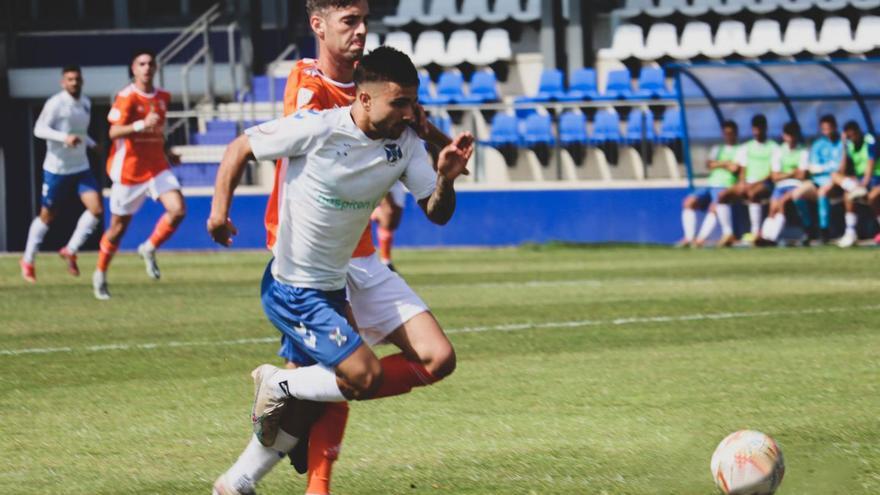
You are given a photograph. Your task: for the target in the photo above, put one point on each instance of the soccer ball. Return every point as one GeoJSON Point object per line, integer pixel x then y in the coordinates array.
{"type": "Point", "coordinates": [747, 463]}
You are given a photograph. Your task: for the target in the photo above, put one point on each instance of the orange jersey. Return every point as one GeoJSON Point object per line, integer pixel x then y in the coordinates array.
{"type": "Point", "coordinates": [309, 89]}
{"type": "Point", "coordinates": [137, 157]}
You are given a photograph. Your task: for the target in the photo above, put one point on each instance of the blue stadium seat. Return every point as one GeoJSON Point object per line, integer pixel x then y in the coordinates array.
{"type": "Point", "coordinates": [505, 130]}
{"type": "Point", "coordinates": [583, 86]}
{"type": "Point", "coordinates": [619, 86]}
{"type": "Point", "coordinates": [221, 125]}
{"type": "Point", "coordinates": [442, 122]}
{"type": "Point", "coordinates": [606, 128]}
{"type": "Point", "coordinates": [652, 84]}
{"type": "Point", "coordinates": [483, 88]}
{"type": "Point", "coordinates": [196, 174]}
{"type": "Point", "coordinates": [449, 89]}
{"type": "Point", "coordinates": [537, 130]}
{"type": "Point", "coordinates": [573, 128]}
{"type": "Point", "coordinates": [670, 127]}
{"type": "Point", "coordinates": [550, 87]}
{"type": "Point", "coordinates": [634, 126]}
{"type": "Point", "coordinates": [425, 87]}
{"type": "Point", "coordinates": [261, 88]}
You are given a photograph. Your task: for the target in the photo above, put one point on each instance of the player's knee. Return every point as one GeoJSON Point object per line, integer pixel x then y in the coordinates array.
{"type": "Point", "coordinates": [365, 383]}
{"type": "Point", "coordinates": [443, 363]}
{"type": "Point", "coordinates": [177, 214]}
{"type": "Point", "coordinates": [689, 203]}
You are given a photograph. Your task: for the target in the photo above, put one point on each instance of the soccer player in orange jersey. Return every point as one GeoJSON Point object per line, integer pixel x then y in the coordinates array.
{"type": "Point", "coordinates": [138, 164]}
{"type": "Point", "coordinates": [385, 308]}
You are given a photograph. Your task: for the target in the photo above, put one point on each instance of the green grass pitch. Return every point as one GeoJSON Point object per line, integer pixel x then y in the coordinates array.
{"type": "Point", "coordinates": [612, 370]}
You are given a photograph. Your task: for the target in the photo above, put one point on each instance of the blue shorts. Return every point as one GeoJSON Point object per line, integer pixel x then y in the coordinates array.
{"type": "Point", "coordinates": [56, 186]}
{"type": "Point", "coordinates": [707, 195]}
{"type": "Point", "coordinates": [780, 191]}
{"type": "Point", "coordinates": [312, 322]}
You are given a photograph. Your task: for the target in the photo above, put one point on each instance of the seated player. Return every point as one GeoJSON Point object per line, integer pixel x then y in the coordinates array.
{"type": "Point", "coordinates": [716, 198]}
{"type": "Point", "coordinates": [859, 177]}
{"type": "Point", "coordinates": [826, 154]}
{"type": "Point", "coordinates": [789, 168]}
{"type": "Point", "coordinates": [755, 186]}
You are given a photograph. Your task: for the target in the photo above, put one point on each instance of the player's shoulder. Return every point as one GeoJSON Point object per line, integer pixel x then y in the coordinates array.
{"type": "Point", "coordinates": [306, 71]}
{"type": "Point", "coordinates": [163, 94]}
{"type": "Point", "coordinates": [126, 92]}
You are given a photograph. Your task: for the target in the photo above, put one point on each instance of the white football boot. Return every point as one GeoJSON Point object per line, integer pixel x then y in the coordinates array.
{"type": "Point", "coordinates": [149, 255]}
{"type": "Point", "coordinates": [266, 412]}
{"type": "Point", "coordinates": [99, 285]}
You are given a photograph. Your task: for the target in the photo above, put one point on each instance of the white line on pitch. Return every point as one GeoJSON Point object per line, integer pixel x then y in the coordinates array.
{"type": "Point", "coordinates": [508, 327]}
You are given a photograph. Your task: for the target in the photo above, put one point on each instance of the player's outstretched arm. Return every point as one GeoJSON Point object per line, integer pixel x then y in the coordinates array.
{"type": "Point", "coordinates": [229, 173]}
{"type": "Point", "coordinates": [451, 163]}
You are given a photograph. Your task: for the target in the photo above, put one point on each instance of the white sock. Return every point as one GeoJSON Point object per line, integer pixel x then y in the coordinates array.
{"type": "Point", "coordinates": [315, 383]}
{"type": "Point", "coordinates": [256, 461]}
{"type": "Point", "coordinates": [148, 246]}
{"type": "Point", "coordinates": [709, 223]}
{"type": "Point", "coordinates": [851, 220]}
{"type": "Point", "coordinates": [755, 211]}
{"type": "Point", "coordinates": [773, 227]}
{"type": "Point", "coordinates": [35, 236]}
{"type": "Point", "coordinates": [84, 228]}
{"type": "Point", "coordinates": [689, 223]}
{"type": "Point", "coordinates": [725, 218]}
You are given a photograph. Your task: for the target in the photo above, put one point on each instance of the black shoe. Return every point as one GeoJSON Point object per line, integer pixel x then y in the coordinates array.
{"type": "Point", "coordinates": [299, 456]}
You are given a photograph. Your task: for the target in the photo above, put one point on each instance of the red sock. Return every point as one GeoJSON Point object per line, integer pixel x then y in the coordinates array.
{"type": "Point", "coordinates": [107, 250]}
{"type": "Point", "coordinates": [401, 375]}
{"type": "Point", "coordinates": [386, 240]}
{"type": "Point", "coordinates": [162, 232]}
{"type": "Point", "coordinates": [325, 441]}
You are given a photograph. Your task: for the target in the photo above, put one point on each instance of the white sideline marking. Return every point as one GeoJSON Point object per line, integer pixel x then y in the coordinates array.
{"type": "Point", "coordinates": [508, 327]}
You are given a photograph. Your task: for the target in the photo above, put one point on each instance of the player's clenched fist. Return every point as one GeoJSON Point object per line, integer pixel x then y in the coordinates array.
{"type": "Point", "coordinates": [221, 230]}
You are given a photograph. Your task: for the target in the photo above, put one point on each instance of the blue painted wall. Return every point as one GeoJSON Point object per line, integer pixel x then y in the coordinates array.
{"type": "Point", "coordinates": [496, 218]}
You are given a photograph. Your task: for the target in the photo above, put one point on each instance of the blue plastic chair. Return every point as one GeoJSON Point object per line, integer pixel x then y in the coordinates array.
{"type": "Point", "coordinates": [425, 87]}
{"type": "Point", "coordinates": [634, 126]}
{"type": "Point", "coordinates": [442, 122]}
{"type": "Point", "coordinates": [619, 85]}
{"type": "Point", "coordinates": [505, 130]}
{"type": "Point", "coordinates": [449, 89]}
{"type": "Point", "coordinates": [670, 127]}
{"type": "Point", "coordinates": [606, 128]}
{"type": "Point", "coordinates": [573, 128]}
{"type": "Point", "coordinates": [550, 87]}
{"type": "Point", "coordinates": [484, 88]}
{"type": "Point", "coordinates": [538, 129]}
{"type": "Point", "coordinates": [652, 84]}
{"type": "Point", "coordinates": [583, 86]}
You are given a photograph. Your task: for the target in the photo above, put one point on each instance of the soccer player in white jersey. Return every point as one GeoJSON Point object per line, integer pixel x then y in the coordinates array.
{"type": "Point", "coordinates": [341, 164]}
{"type": "Point", "coordinates": [64, 124]}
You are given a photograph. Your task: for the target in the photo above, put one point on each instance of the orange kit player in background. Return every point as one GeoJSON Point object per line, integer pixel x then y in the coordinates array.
{"type": "Point", "coordinates": [384, 307]}
{"type": "Point", "coordinates": [138, 165]}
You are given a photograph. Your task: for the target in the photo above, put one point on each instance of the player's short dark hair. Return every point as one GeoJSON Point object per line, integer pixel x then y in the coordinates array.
{"type": "Point", "coordinates": [137, 53]}
{"type": "Point", "coordinates": [729, 124]}
{"type": "Point", "coordinates": [759, 120]}
{"type": "Point", "coordinates": [71, 68]}
{"type": "Point", "coordinates": [386, 64]}
{"type": "Point", "coordinates": [793, 130]}
{"type": "Point", "coordinates": [315, 6]}
{"type": "Point", "coordinates": [852, 125]}
{"type": "Point", "coordinates": [828, 119]}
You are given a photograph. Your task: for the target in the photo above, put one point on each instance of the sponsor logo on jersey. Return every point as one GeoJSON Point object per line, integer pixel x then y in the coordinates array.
{"type": "Point", "coordinates": [341, 204]}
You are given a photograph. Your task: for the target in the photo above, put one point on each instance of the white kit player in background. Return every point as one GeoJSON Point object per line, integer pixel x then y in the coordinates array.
{"type": "Point", "coordinates": [64, 124]}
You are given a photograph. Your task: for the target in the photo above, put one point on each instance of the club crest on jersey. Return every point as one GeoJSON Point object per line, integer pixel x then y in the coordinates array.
{"type": "Point", "coordinates": [393, 152]}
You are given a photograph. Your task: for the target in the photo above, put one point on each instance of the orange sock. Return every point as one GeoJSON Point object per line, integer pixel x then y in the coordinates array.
{"type": "Point", "coordinates": [386, 240]}
{"type": "Point", "coordinates": [325, 441]}
{"type": "Point", "coordinates": [401, 375]}
{"type": "Point", "coordinates": [107, 250]}
{"type": "Point", "coordinates": [162, 232]}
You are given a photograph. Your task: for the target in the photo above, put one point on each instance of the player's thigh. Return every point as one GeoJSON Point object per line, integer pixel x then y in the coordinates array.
{"type": "Point", "coordinates": [92, 201]}
{"type": "Point", "coordinates": [422, 339]}
{"type": "Point", "coordinates": [173, 202]}
{"type": "Point", "coordinates": [806, 191]}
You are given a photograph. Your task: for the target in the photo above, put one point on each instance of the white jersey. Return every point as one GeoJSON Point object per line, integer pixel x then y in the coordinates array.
{"type": "Point", "coordinates": [63, 115]}
{"type": "Point", "coordinates": [335, 178]}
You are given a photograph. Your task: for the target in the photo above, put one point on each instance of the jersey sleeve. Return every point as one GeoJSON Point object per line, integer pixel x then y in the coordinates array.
{"type": "Point", "coordinates": [419, 176]}
{"type": "Point", "coordinates": [742, 155]}
{"type": "Point", "coordinates": [289, 136]}
{"type": "Point", "coordinates": [43, 127]}
{"type": "Point", "coordinates": [120, 113]}
{"type": "Point", "coordinates": [714, 152]}
{"type": "Point", "coordinates": [302, 94]}
{"type": "Point", "coordinates": [804, 163]}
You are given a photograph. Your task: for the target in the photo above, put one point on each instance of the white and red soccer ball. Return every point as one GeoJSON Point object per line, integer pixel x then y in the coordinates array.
{"type": "Point", "coordinates": [747, 463]}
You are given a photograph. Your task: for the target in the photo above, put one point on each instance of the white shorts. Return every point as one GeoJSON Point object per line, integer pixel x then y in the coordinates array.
{"type": "Point", "coordinates": [380, 299]}
{"type": "Point", "coordinates": [127, 199]}
{"type": "Point", "coordinates": [398, 194]}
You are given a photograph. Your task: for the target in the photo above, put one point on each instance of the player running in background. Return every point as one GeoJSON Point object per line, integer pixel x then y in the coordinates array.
{"type": "Point", "coordinates": [791, 161]}
{"type": "Point", "coordinates": [64, 124]}
{"type": "Point", "coordinates": [385, 307]}
{"type": "Point", "coordinates": [138, 166]}
{"type": "Point", "coordinates": [387, 217]}
{"type": "Point", "coordinates": [859, 177]}
{"type": "Point", "coordinates": [341, 163]}
{"type": "Point", "coordinates": [717, 197]}
{"type": "Point", "coordinates": [826, 153]}
{"type": "Point", "coordinates": [755, 156]}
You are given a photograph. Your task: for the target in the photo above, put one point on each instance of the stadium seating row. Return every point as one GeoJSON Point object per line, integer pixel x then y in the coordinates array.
{"type": "Point", "coordinates": [446, 11]}
{"type": "Point", "coordinates": [463, 47]}
{"type": "Point", "coordinates": [731, 39]}
{"type": "Point", "coordinates": [583, 87]}
{"type": "Point", "coordinates": [537, 128]}
{"type": "Point", "coordinates": [695, 8]}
